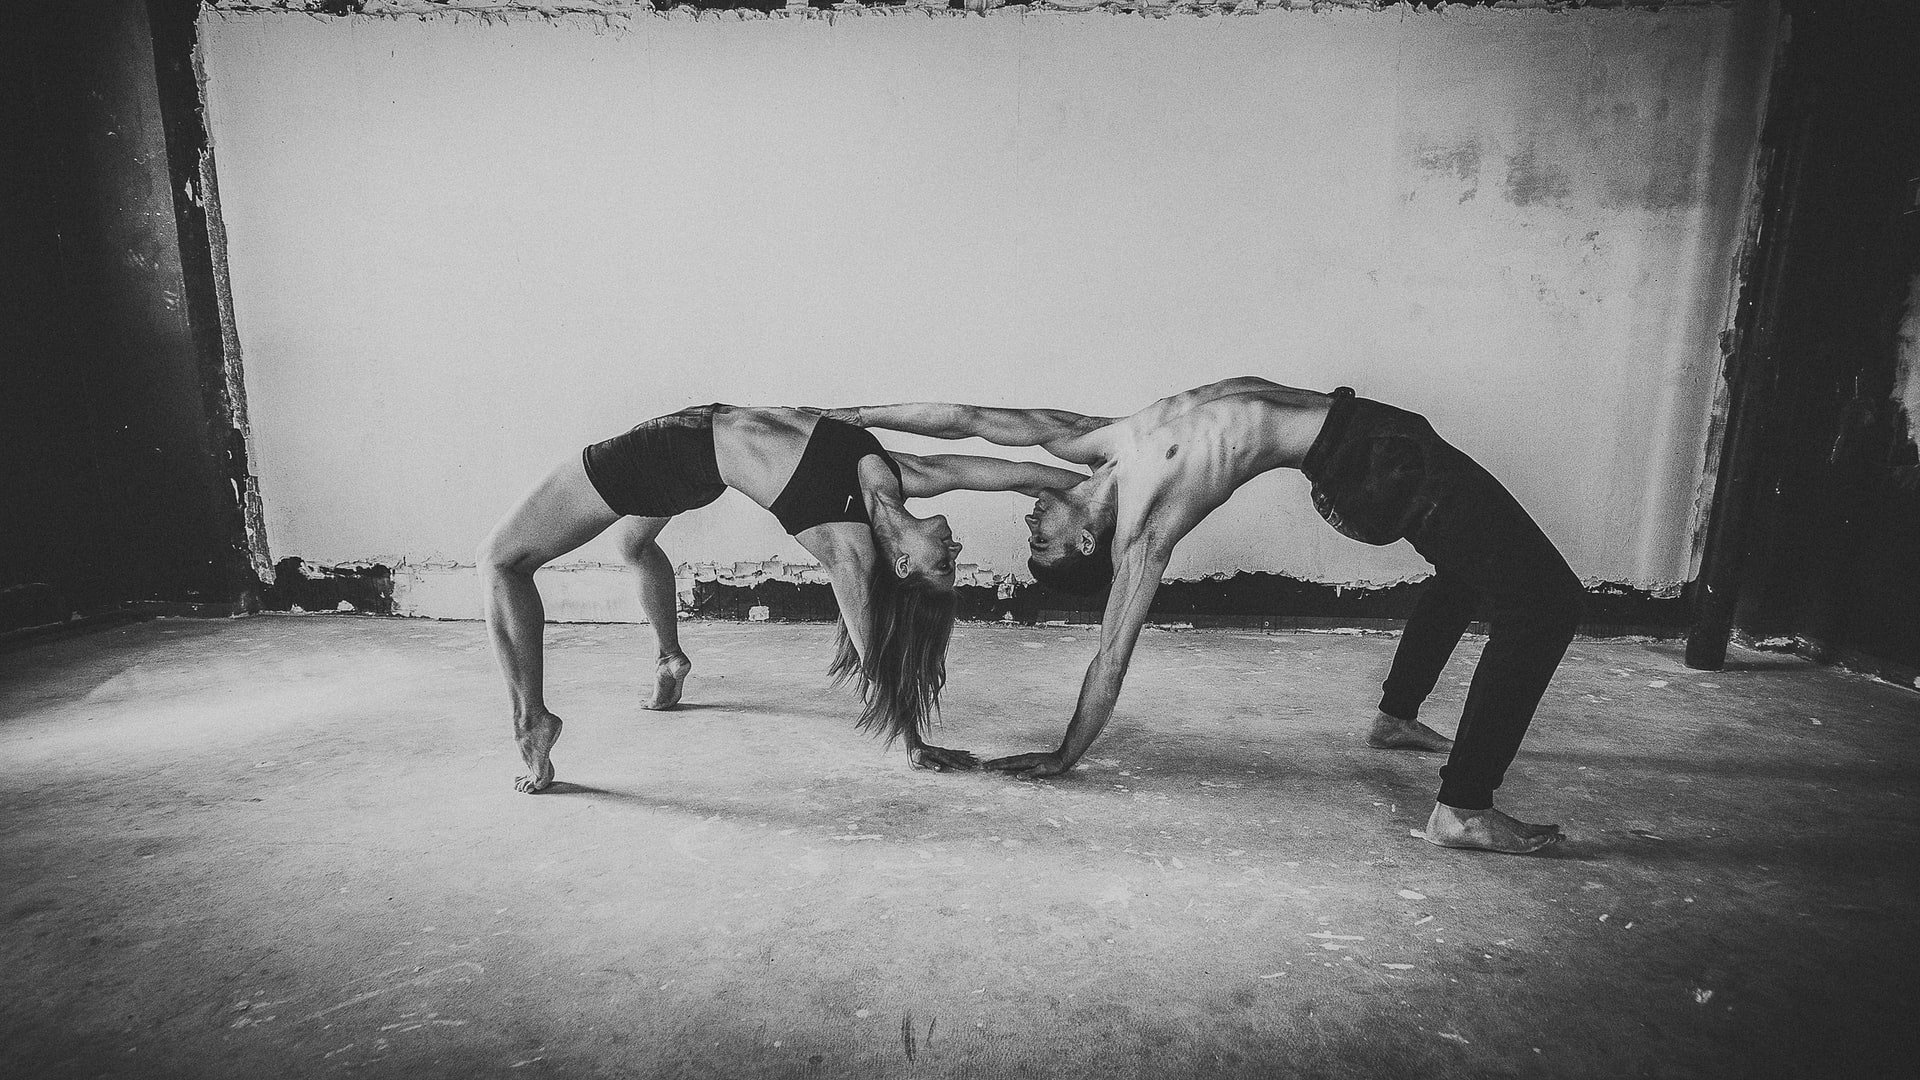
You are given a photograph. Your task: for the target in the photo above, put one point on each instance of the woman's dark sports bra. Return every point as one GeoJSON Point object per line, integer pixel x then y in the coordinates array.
{"type": "Point", "coordinates": [826, 484]}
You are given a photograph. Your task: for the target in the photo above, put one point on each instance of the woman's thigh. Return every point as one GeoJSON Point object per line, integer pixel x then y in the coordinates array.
{"type": "Point", "coordinates": [562, 512]}
{"type": "Point", "coordinates": [636, 533]}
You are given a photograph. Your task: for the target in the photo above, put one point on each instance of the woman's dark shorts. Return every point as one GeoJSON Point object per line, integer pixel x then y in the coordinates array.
{"type": "Point", "coordinates": [1378, 472]}
{"type": "Point", "coordinates": [662, 467]}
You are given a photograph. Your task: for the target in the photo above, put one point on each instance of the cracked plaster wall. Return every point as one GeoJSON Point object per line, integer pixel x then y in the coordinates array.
{"type": "Point", "coordinates": [627, 9]}
{"type": "Point", "coordinates": [461, 248]}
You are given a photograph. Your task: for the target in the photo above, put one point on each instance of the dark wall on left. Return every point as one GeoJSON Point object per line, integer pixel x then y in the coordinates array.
{"type": "Point", "coordinates": [122, 464]}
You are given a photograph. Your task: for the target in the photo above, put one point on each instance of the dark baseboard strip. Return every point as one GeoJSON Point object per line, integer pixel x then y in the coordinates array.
{"type": "Point", "coordinates": [1281, 623]}
{"type": "Point", "coordinates": [1890, 671]}
{"type": "Point", "coordinates": [74, 627]}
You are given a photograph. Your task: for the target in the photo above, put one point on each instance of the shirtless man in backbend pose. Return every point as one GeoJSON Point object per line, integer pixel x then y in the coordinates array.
{"type": "Point", "coordinates": [1379, 474]}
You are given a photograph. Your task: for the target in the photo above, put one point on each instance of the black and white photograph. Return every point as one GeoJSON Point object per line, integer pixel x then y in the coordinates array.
{"type": "Point", "coordinates": [974, 539]}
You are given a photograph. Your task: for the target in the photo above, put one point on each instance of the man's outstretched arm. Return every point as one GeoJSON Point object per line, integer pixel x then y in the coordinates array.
{"type": "Point", "coordinates": [926, 475]}
{"type": "Point", "coordinates": [848, 566]}
{"type": "Point", "coordinates": [1138, 566]}
{"type": "Point", "coordinates": [1060, 432]}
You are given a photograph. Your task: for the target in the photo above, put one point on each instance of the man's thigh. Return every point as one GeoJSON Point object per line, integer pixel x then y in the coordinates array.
{"type": "Point", "coordinates": [1480, 534]}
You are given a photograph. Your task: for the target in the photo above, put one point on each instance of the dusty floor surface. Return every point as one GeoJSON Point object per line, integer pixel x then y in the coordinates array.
{"type": "Point", "coordinates": [290, 847]}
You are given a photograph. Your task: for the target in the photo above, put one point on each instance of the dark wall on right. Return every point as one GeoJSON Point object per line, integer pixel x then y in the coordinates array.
{"type": "Point", "coordinates": [1835, 560]}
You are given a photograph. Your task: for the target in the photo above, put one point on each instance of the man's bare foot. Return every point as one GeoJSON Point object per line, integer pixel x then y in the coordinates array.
{"type": "Point", "coordinates": [670, 678]}
{"type": "Point", "coordinates": [1487, 830]}
{"type": "Point", "coordinates": [1393, 733]}
{"type": "Point", "coordinates": [536, 736]}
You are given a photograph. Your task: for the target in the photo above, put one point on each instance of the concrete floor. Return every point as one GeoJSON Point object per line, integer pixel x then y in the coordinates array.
{"type": "Point", "coordinates": [290, 847]}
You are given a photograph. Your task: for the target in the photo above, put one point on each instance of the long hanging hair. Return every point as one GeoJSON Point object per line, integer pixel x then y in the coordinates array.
{"type": "Point", "coordinates": [911, 619]}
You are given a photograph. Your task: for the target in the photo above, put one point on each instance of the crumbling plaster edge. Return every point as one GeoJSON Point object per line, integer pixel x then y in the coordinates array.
{"type": "Point", "coordinates": [619, 13]}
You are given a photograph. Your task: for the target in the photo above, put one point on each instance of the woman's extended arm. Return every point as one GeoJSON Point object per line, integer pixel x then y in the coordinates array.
{"type": "Point", "coordinates": [845, 551]}
{"type": "Point", "coordinates": [1055, 429]}
{"type": "Point", "coordinates": [934, 474]}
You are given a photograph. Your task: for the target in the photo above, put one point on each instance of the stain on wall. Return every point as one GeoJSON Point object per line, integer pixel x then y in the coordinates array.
{"type": "Point", "coordinates": [1535, 177]}
{"type": "Point", "coordinates": [1460, 162]}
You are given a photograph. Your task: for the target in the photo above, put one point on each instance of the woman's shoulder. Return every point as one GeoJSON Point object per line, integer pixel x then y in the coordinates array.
{"type": "Point", "coordinates": [834, 440]}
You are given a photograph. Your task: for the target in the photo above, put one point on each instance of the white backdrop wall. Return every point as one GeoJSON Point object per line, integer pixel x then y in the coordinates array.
{"type": "Point", "coordinates": [462, 249]}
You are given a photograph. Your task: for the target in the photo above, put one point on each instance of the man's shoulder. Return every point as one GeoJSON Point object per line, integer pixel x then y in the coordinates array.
{"type": "Point", "coordinates": [1083, 440]}
{"type": "Point", "coordinates": [1087, 425]}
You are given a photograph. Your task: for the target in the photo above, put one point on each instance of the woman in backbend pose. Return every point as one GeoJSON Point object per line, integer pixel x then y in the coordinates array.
{"type": "Point", "coordinates": [833, 488]}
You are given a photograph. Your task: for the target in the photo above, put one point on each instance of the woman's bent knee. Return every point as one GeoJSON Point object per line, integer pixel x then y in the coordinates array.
{"type": "Point", "coordinates": [500, 555]}
{"type": "Point", "coordinates": [636, 551]}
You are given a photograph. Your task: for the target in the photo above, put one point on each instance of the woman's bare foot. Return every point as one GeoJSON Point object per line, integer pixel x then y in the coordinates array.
{"type": "Point", "coordinates": [1487, 830]}
{"type": "Point", "coordinates": [941, 759]}
{"type": "Point", "coordinates": [670, 678]}
{"type": "Point", "coordinates": [536, 736]}
{"type": "Point", "coordinates": [1393, 733]}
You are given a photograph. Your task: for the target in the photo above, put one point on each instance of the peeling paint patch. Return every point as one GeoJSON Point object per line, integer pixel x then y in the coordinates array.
{"type": "Point", "coordinates": [750, 574]}
{"type": "Point", "coordinates": [813, 601]}
{"type": "Point", "coordinates": [300, 586]}
{"type": "Point", "coordinates": [803, 591]}
{"type": "Point", "coordinates": [1659, 590]}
